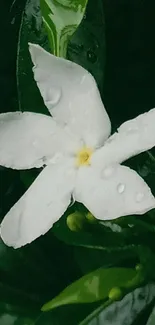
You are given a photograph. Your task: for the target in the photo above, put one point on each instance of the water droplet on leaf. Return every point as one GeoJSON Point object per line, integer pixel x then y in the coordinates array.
{"type": "Point", "coordinates": [80, 46]}
{"type": "Point", "coordinates": [91, 56]}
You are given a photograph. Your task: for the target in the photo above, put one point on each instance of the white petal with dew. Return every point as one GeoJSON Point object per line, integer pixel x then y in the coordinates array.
{"type": "Point", "coordinates": [121, 193]}
{"type": "Point", "coordinates": [133, 137]}
{"type": "Point", "coordinates": [30, 140]}
{"type": "Point", "coordinates": [41, 206]}
{"type": "Point", "coordinates": [71, 95]}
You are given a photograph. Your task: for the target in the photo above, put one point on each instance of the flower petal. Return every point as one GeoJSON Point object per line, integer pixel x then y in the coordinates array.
{"type": "Point", "coordinates": [71, 95]}
{"type": "Point", "coordinates": [29, 140]}
{"type": "Point", "coordinates": [133, 137]}
{"type": "Point", "coordinates": [41, 206]}
{"type": "Point", "coordinates": [114, 192]}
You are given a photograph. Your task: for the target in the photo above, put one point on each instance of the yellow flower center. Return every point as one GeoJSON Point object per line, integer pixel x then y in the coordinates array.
{"type": "Point", "coordinates": [83, 156]}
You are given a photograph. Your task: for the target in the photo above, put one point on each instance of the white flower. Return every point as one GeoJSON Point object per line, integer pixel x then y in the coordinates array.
{"type": "Point", "coordinates": [80, 161]}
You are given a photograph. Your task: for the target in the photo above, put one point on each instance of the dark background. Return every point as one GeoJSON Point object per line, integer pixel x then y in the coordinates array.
{"type": "Point", "coordinates": [130, 66]}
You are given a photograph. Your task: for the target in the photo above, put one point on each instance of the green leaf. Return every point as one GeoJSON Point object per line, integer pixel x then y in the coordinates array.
{"type": "Point", "coordinates": [90, 259]}
{"type": "Point", "coordinates": [61, 18]}
{"type": "Point", "coordinates": [151, 320]}
{"type": "Point", "coordinates": [93, 287]}
{"type": "Point", "coordinates": [125, 311]}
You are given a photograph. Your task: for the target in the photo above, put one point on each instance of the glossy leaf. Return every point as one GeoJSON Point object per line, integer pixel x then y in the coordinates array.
{"type": "Point", "coordinates": [89, 259]}
{"type": "Point", "coordinates": [151, 320]}
{"type": "Point", "coordinates": [93, 287]}
{"type": "Point", "coordinates": [61, 18]}
{"type": "Point", "coordinates": [125, 311]}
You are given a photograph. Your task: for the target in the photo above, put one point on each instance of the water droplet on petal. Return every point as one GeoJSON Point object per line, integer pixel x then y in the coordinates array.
{"type": "Point", "coordinates": [56, 159]}
{"type": "Point", "coordinates": [132, 129]}
{"type": "Point", "coordinates": [83, 79]}
{"type": "Point", "coordinates": [107, 172]}
{"type": "Point", "coordinates": [121, 188]}
{"type": "Point", "coordinates": [34, 142]}
{"type": "Point", "coordinates": [53, 95]}
{"type": "Point", "coordinates": [139, 196]}
{"type": "Point", "coordinates": [91, 56]}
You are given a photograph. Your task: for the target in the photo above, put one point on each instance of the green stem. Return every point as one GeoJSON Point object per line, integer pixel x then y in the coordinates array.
{"type": "Point", "coordinates": [96, 312]}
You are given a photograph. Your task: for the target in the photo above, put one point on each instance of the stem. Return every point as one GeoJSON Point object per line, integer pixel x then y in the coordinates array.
{"type": "Point", "coordinates": [96, 312]}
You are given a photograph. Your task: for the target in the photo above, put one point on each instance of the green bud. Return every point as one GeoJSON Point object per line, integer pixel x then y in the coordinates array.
{"type": "Point", "coordinates": [115, 294]}
{"type": "Point", "coordinates": [90, 217]}
{"type": "Point", "coordinates": [76, 221]}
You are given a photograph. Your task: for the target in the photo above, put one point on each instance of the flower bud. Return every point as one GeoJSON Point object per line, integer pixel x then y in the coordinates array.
{"type": "Point", "coordinates": [115, 294]}
{"type": "Point", "coordinates": [90, 217]}
{"type": "Point", "coordinates": [76, 221]}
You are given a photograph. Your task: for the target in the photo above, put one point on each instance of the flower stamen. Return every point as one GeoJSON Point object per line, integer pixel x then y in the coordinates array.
{"type": "Point", "coordinates": [83, 156]}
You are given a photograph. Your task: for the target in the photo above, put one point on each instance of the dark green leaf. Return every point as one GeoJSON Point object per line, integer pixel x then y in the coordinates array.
{"type": "Point", "coordinates": [30, 275]}
{"type": "Point", "coordinates": [91, 236]}
{"type": "Point", "coordinates": [87, 46]}
{"type": "Point", "coordinates": [151, 320]}
{"type": "Point", "coordinates": [123, 312]}
{"type": "Point", "coordinates": [90, 259]}
{"type": "Point", "coordinates": [68, 314]}
{"type": "Point", "coordinates": [61, 19]}
{"type": "Point", "coordinates": [93, 287]}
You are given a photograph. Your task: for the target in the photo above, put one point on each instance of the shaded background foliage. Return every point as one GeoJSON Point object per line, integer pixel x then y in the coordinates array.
{"type": "Point", "coordinates": [129, 83]}
{"type": "Point", "coordinates": [128, 89]}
